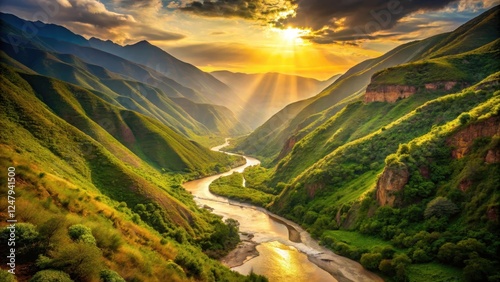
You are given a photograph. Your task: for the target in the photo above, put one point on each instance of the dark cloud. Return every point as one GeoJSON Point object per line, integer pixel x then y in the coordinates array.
{"type": "Point", "coordinates": [348, 20]}
{"type": "Point", "coordinates": [90, 12]}
{"type": "Point", "coordinates": [262, 10]}
{"type": "Point", "coordinates": [140, 4]}
{"type": "Point", "coordinates": [329, 20]}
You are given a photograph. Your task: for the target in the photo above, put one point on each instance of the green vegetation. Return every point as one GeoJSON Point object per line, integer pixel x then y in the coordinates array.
{"type": "Point", "coordinates": [232, 187]}
{"type": "Point", "coordinates": [406, 185]}
{"type": "Point", "coordinates": [80, 183]}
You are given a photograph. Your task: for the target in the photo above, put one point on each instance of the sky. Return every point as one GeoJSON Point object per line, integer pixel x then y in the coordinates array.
{"type": "Point", "coordinates": [312, 38]}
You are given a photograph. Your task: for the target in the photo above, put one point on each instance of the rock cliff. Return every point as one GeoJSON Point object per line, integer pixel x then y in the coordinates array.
{"type": "Point", "coordinates": [393, 93]}
{"type": "Point", "coordinates": [388, 93]}
{"type": "Point", "coordinates": [392, 180]}
{"type": "Point", "coordinates": [462, 141]}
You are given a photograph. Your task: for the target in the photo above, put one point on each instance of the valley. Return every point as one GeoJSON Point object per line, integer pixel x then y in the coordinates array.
{"type": "Point", "coordinates": [335, 155]}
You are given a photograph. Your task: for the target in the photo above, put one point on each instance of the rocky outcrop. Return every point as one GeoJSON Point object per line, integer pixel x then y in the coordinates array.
{"type": "Point", "coordinates": [493, 156]}
{"type": "Point", "coordinates": [287, 148]}
{"type": "Point", "coordinates": [388, 93]}
{"type": "Point", "coordinates": [444, 85]}
{"type": "Point", "coordinates": [313, 188]}
{"type": "Point", "coordinates": [393, 93]}
{"type": "Point", "coordinates": [462, 141]}
{"type": "Point", "coordinates": [392, 180]}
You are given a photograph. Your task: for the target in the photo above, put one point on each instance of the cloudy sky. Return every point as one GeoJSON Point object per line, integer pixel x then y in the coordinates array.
{"type": "Point", "coordinates": [314, 38]}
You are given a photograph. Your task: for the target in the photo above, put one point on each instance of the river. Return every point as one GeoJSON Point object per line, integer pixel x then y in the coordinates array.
{"type": "Point", "coordinates": [280, 258]}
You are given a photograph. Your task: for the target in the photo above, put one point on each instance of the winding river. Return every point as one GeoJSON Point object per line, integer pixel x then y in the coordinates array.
{"type": "Point", "coordinates": [287, 252]}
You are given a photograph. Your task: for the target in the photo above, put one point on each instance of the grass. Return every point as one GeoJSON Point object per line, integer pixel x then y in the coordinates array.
{"type": "Point", "coordinates": [232, 188]}
{"type": "Point", "coordinates": [357, 239]}
{"type": "Point", "coordinates": [434, 272]}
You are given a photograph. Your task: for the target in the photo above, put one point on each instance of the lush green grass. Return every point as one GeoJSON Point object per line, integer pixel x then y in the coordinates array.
{"type": "Point", "coordinates": [232, 188]}
{"type": "Point", "coordinates": [434, 272]}
{"type": "Point", "coordinates": [357, 239]}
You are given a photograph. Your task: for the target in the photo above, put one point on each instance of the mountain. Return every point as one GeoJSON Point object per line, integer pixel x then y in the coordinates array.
{"type": "Point", "coordinates": [401, 175]}
{"type": "Point", "coordinates": [97, 188]}
{"type": "Point", "coordinates": [271, 141]}
{"type": "Point", "coordinates": [288, 127]}
{"type": "Point", "coordinates": [146, 54]}
{"type": "Point", "coordinates": [271, 91]}
{"type": "Point", "coordinates": [102, 71]}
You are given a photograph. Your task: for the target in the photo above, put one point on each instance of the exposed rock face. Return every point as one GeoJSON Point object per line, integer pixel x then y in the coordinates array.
{"type": "Point", "coordinates": [313, 188]}
{"type": "Point", "coordinates": [392, 93]}
{"type": "Point", "coordinates": [388, 93]}
{"type": "Point", "coordinates": [392, 180]}
{"type": "Point", "coordinates": [463, 140]}
{"type": "Point", "coordinates": [446, 85]}
{"type": "Point", "coordinates": [287, 148]}
{"type": "Point", "coordinates": [493, 156]}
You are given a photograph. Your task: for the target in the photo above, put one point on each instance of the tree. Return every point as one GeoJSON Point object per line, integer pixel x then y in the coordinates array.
{"type": "Point", "coordinates": [440, 207]}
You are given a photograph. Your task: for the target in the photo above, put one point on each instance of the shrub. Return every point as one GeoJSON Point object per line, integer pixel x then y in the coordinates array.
{"type": "Point", "coordinates": [371, 260]}
{"type": "Point", "coordinates": [51, 275]}
{"type": "Point", "coordinates": [440, 207]}
{"type": "Point", "coordinates": [464, 118]}
{"type": "Point", "coordinates": [420, 255]}
{"type": "Point", "coordinates": [6, 276]}
{"type": "Point", "coordinates": [110, 276]}
{"type": "Point", "coordinates": [386, 266]}
{"type": "Point", "coordinates": [81, 233]}
{"type": "Point", "coordinates": [82, 261]}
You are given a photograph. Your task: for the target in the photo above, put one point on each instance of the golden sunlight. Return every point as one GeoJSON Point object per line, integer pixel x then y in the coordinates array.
{"type": "Point", "coordinates": [292, 35]}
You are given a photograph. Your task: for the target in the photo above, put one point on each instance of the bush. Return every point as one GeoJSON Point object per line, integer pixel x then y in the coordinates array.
{"type": "Point", "coordinates": [420, 255]}
{"type": "Point", "coordinates": [51, 275]}
{"type": "Point", "coordinates": [110, 276]}
{"type": "Point", "coordinates": [386, 266]}
{"type": "Point", "coordinates": [82, 261]}
{"type": "Point", "coordinates": [371, 261]}
{"type": "Point", "coordinates": [82, 233]}
{"type": "Point", "coordinates": [440, 207]}
{"type": "Point", "coordinates": [6, 276]}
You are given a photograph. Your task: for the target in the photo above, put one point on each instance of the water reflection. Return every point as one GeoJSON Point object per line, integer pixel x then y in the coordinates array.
{"type": "Point", "coordinates": [279, 262]}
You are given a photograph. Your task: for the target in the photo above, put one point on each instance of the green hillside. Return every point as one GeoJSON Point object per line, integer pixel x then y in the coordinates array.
{"type": "Point", "coordinates": [268, 140]}
{"type": "Point", "coordinates": [410, 187]}
{"type": "Point", "coordinates": [95, 204]}
{"type": "Point", "coordinates": [130, 94]}
{"type": "Point", "coordinates": [415, 186]}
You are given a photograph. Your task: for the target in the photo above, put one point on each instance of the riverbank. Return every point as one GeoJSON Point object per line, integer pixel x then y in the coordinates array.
{"type": "Point", "coordinates": [245, 251]}
{"type": "Point", "coordinates": [281, 263]}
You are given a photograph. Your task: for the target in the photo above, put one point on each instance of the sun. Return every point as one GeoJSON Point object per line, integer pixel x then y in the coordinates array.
{"type": "Point", "coordinates": [292, 35]}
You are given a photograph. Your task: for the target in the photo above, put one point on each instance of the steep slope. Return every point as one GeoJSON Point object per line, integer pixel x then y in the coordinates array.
{"type": "Point", "coordinates": [15, 36]}
{"type": "Point", "coordinates": [473, 34]}
{"type": "Point", "coordinates": [75, 176]}
{"type": "Point", "coordinates": [145, 53]}
{"type": "Point", "coordinates": [271, 91]}
{"type": "Point", "coordinates": [146, 99]}
{"type": "Point", "coordinates": [273, 143]}
{"type": "Point", "coordinates": [269, 139]}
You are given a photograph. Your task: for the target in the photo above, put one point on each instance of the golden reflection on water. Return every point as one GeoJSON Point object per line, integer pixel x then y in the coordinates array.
{"type": "Point", "coordinates": [279, 262]}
